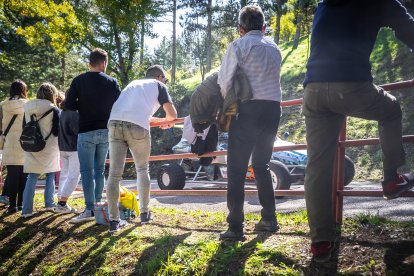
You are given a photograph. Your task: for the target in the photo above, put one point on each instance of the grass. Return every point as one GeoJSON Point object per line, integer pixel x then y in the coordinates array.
{"type": "Point", "coordinates": [186, 243]}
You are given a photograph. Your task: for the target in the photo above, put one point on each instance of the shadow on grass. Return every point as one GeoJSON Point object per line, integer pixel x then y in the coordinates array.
{"type": "Point", "coordinates": [187, 228]}
{"type": "Point", "coordinates": [230, 259]}
{"type": "Point", "coordinates": [25, 233]}
{"type": "Point", "coordinates": [91, 260]}
{"type": "Point", "coordinates": [153, 257]}
{"type": "Point", "coordinates": [398, 257]}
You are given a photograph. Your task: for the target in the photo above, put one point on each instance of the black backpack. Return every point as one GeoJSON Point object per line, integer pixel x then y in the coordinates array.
{"type": "Point", "coordinates": [32, 139]}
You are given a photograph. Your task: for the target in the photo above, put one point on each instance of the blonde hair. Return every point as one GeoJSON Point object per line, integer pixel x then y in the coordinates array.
{"type": "Point", "coordinates": [47, 91]}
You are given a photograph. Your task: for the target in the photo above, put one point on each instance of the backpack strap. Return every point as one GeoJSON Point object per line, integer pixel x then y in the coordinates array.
{"type": "Point", "coordinates": [10, 125]}
{"type": "Point", "coordinates": [44, 115]}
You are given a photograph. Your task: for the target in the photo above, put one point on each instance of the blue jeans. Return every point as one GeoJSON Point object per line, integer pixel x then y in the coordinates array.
{"type": "Point", "coordinates": [29, 191]}
{"type": "Point", "coordinates": [92, 151]}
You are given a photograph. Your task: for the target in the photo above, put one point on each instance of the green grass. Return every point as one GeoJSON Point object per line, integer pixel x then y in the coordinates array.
{"type": "Point", "coordinates": [186, 243]}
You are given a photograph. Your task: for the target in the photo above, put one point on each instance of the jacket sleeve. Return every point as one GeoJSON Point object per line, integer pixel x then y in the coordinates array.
{"type": "Point", "coordinates": [55, 121]}
{"type": "Point", "coordinates": [74, 123]}
{"type": "Point", "coordinates": [395, 16]}
{"type": "Point", "coordinates": [228, 69]}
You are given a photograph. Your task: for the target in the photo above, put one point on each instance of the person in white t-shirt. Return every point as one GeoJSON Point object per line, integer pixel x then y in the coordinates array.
{"type": "Point", "coordinates": [129, 127]}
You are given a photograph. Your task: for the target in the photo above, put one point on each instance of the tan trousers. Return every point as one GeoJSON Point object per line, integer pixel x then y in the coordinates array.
{"type": "Point", "coordinates": [325, 106]}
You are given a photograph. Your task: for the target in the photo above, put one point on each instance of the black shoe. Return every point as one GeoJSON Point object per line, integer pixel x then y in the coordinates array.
{"type": "Point", "coordinates": [19, 208]}
{"type": "Point", "coordinates": [322, 251]}
{"type": "Point", "coordinates": [10, 210]}
{"type": "Point", "coordinates": [266, 226]}
{"type": "Point", "coordinates": [115, 226]}
{"type": "Point", "coordinates": [230, 235]}
{"type": "Point", "coordinates": [146, 217]}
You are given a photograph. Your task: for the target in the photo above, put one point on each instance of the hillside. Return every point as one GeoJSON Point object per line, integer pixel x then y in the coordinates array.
{"type": "Point", "coordinates": [391, 62]}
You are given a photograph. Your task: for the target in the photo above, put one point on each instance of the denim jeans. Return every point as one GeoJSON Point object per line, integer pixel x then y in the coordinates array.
{"type": "Point", "coordinates": [29, 191]}
{"type": "Point", "coordinates": [325, 106]}
{"type": "Point", "coordinates": [252, 133]}
{"type": "Point", "coordinates": [92, 151]}
{"type": "Point", "coordinates": [124, 135]}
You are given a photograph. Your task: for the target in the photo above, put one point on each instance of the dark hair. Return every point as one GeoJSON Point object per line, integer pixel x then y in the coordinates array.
{"type": "Point", "coordinates": [251, 18]}
{"type": "Point", "coordinates": [154, 71]}
{"type": "Point", "coordinates": [98, 56]}
{"type": "Point", "coordinates": [18, 88]}
{"type": "Point", "coordinates": [47, 91]}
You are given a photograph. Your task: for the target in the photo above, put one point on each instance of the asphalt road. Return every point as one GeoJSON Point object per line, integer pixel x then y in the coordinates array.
{"type": "Point", "coordinates": [397, 209]}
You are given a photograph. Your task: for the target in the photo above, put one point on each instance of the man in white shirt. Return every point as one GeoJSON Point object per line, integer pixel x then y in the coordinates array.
{"type": "Point", "coordinates": [253, 130]}
{"type": "Point", "coordinates": [129, 127]}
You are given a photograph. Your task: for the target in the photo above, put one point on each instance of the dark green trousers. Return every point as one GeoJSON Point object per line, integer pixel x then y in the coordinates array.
{"type": "Point", "coordinates": [325, 106]}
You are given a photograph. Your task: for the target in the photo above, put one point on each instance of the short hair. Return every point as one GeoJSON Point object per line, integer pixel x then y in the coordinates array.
{"type": "Point", "coordinates": [18, 88]}
{"type": "Point", "coordinates": [47, 91]}
{"type": "Point", "coordinates": [154, 71]}
{"type": "Point", "coordinates": [98, 56]}
{"type": "Point", "coordinates": [251, 18]}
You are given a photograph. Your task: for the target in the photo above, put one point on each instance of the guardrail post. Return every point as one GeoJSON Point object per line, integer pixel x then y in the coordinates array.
{"type": "Point", "coordinates": [338, 177]}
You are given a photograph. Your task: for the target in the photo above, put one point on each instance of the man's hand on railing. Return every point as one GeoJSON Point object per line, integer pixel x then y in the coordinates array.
{"type": "Point", "coordinates": [163, 122]}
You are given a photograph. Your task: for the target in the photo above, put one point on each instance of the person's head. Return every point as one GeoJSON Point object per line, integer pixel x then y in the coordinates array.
{"type": "Point", "coordinates": [156, 72]}
{"type": "Point", "coordinates": [251, 18]}
{"type": "Point", "coordinates": [47, 91]}
{"type": "Point", "coordinates": [60, 97]}
{"type": "Point", "coordinates": [98, 60]}
{"type": "Point", "coordinates": [18, 88]}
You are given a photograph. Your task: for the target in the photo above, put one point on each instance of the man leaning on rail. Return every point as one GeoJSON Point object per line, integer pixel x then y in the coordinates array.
{"type": "Point", "coordinates": [129, 127]}
{"type": "Point", "coordinates": [339, 83]}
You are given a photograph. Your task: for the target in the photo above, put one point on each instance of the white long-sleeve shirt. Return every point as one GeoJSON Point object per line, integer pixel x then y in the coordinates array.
{"type": "Point", "coordinates": [260, 59]}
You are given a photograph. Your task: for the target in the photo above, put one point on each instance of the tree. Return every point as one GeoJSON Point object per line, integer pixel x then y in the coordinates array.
{"type": "Point", "coordinates": [117, 26]}
{"type": "Point", "coordinates": [298, 24]}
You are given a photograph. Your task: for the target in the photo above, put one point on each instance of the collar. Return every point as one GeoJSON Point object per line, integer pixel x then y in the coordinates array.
{"type": "Point", "coordinates": [254, 32]}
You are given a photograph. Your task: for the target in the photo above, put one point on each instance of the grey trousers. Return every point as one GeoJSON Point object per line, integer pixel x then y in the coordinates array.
{"type": "Point", "coordinates": [325, 106]}
{"type": "Point", "coordinates": [124, 135]}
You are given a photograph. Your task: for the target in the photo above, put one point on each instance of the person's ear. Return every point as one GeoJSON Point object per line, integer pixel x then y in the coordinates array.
{"type": "Point", "coordinates": [264, 28]}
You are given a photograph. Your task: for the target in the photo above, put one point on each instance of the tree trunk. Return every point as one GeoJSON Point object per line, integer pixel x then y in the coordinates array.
{"type": "Point", "coordinates": [277, 30]}
{"type": "Point", "coordinates": [298, 25]}
{"type": "Point", "coordinates": [209, 42]}
{"type": "Point", "coordinates": [123, 74]}
{"type": "Point", "coordinates": [63, 73]}
{"type": "Point", "coordinates": [174, 42]}
{"type": "Point", "coordinates": [141, 51]}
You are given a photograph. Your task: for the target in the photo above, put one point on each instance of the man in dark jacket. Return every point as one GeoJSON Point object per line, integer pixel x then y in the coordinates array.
{"type": "Point", "coordinates": [338, 83]}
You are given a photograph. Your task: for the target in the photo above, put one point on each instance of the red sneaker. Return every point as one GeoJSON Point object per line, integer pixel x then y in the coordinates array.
{"type": "Point", "coordinates": [393, 189]}
{"type": "Point", "coordinates": [322, 251]}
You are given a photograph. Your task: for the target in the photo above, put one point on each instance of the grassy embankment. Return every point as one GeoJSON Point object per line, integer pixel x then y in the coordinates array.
{"type": "Point", "coordinates": [186, 243]}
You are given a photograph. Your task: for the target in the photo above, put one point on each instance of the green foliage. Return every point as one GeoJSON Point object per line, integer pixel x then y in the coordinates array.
{"type": "Point", "coordinates": [53, 23]}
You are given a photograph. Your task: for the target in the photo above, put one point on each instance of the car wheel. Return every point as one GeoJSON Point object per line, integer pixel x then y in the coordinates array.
{"type": "Point", "coordinates": [280, 176]}
{"type": "Point", "coordinates": [349, 171]}
{"type": "Point", "coordinates": [171, 177]}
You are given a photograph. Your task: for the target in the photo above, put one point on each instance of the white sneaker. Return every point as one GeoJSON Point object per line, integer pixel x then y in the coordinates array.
{"type": "Point", "coordinates": [51, 209]}
{"type": "Point", "coordinates": [27, 215]}
{"type": "Point", "coordinates": [86, 215]}
{"type": "Point", "coordinates": [63, 209]}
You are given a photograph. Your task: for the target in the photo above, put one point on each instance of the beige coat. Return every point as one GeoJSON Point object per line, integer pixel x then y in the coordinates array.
{"type": "Point", "coordinates": [13, 153]}
{"type": "Point", "coordinates": [47, 160]}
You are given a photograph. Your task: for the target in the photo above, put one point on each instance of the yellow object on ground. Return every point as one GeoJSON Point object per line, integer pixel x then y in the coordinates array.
{"type": "Point", "coordinates": [128, 199]}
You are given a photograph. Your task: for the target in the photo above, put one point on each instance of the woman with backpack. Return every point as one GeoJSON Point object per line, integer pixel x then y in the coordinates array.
{"type": "Point", "coordinates": [11, 114]}
{"type": "Point", "coordinates": [39, 140]}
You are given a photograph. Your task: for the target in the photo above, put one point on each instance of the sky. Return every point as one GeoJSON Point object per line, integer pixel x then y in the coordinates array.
{"type": "Point", "coordinates": [163, 29]}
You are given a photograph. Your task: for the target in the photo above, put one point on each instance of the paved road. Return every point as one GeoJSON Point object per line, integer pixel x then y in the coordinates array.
{"type": "Point", "coordinates": [397, 209]}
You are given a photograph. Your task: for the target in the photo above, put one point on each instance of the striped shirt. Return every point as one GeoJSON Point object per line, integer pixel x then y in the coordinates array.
{"type": "Point", "coordinates": [260, 59]}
